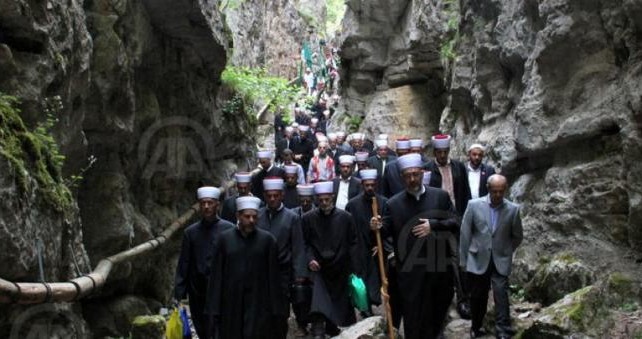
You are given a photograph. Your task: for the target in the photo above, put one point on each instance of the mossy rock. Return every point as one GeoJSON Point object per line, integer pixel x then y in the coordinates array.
{"type": "Point", "coordinates": [553, 279]}
{"type": "Point", "coordinates": [148, 327]}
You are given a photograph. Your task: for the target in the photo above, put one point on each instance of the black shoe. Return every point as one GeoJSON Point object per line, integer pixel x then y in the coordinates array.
{"type": "Point", "coordinates": [477, 333]}
{"type": "Point", "coordinates": [463, 308]}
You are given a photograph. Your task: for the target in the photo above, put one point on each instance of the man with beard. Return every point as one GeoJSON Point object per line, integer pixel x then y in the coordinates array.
{"type": "Point", "coordinates": [478, 172]}
{"type": "Point", "coordinates": [380, 160]}
{"type": "Point", "coordinates": [243, 188]}
{"type": "Point", "coordinates": [332, 254]}
{"type": "Point", "coordinates": [244, 293]}
{"type": "Point", "coordinates": [421, 220]}
{"type": "Point", "coordinates": [321, 166]}
{"type": "Point", "coordinates": [196, 252]}
{"type": "Point", "coordinates": [306, 199]}
{"type": "Point", "coordinates": [285, 226]}
{"type": "Point", "coordinates": [290, 196]}
{"type": "Point", "coordinates": [267, 170]}
{"type": "Point", "coordinates": [451, 176]}
{"type": "Point", "coordinates": [346, 186]}
{"type": "Point", "coordinates": [360, 207]}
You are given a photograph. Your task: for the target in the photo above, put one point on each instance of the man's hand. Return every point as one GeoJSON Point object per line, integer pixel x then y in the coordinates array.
{"type": "Point", "coordinates": [375, 223]}
{"type": "Point", "coordinates": [314, 266]}
{"type": "Point", "coordinates": [423, 229]}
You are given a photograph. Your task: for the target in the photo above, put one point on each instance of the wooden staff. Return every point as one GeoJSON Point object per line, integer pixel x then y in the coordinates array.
{"type": "Point", "coordinates": [382, 273]}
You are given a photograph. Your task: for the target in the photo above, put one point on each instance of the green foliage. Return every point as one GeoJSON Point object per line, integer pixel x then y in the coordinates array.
{"type": "Point", "coordinates": [354, 122]}
{"type": "Point", "coordinates": [629, 306]}
{"type": "Point", "coordinates": [34, 154]}
{"type": "Point", "coordinates": [447, 51]}
{"type": "Point", "coordinates": [517, 293]}
{"type": "Point", "coordinates": [256, 85]}
{"type": "Point", "coordinates": [230, 4]}
{"type": "Point", "coordinates": [335, 11]}
{"type": "Point", "coordinates": [452, 11]}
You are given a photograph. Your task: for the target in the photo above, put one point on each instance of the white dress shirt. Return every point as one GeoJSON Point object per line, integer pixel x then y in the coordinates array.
{"type": "Point", "coordinates": [342, 194]}
{"type": "Point", "coordinates": [474, 178]}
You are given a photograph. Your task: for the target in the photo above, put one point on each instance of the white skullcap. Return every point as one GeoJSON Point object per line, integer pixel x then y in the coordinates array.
{"type": "Point", "coordinates": [441, 141]}
{"type": "Point", "coordinates": [361, 156]}
{"type": "Point", "coordinates": [358, 136]}
{"type": "Point", "coordinates": [295, 125]}
{"type": "Point", "coordinates": [266, 154]}
{"type": "Point", "coordinates": [368, 174]}
{"type": "Point", "coordinates": [289, 129]}
{"type": "Point", "coordinates": [332, 136]}
{"type": "Point", "coordinates": [341, 134]}
{"type": "Point", "coordinates": [402, 144]}
{"type": "Point", "coordinates": [243, 177]}
{"type": "Point", "coordinates": [304, 128]}
{"type": "Point", "coordinates": [381, 143]}
{"type": "Point", "coordinates": [324, 187]}
{"type": "Point", "coordinates": [409, 161]}
{"type": "Point", "coordinates": [272, 184]}
{"type": "Point", "coordinates": [414, 143]}
{"type": "Point", "coordinates": [346, 159]}
{"type": "Point", "coordinates": [480, 146]}
{"type": "Point", "coordinates": [426, 178]}
{"type": "Point", "coordinates": [314, 120]}
{"type": "Point", "coordinates": [305, 190]}
{"type": "Point", "coordinates": [245, 203]}
{"type": "Point", "coordinates": [208, 192]}
{"type": "Point", "coordinates": [382, 137]}
{"type": "Point", "coordinates": [323, 143]}
{"type": "Point", "coordinates": [291, 169]}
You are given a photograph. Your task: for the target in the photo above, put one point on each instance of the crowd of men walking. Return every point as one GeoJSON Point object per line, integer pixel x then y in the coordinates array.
{"type": "Point", "coordinates": [303, 223]}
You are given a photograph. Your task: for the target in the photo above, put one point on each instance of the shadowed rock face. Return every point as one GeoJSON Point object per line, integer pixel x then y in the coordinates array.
{"type": "Point", "coordinates": [139, 81]}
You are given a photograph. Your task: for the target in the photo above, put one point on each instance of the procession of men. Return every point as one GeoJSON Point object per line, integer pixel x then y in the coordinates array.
{"type": "Point", "coordinates": [307, 220]}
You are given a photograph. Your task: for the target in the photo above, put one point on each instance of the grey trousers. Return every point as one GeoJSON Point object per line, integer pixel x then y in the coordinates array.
{"type": "Point", "coordinates": [479, 286]}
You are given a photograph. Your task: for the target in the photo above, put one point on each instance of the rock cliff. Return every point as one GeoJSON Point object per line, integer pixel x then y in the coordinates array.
{"type": "Point", "coordinates": [551, 87]}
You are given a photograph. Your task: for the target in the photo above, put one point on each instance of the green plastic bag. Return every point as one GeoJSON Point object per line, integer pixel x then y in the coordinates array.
{"type": "Point", "coordinates": [358, 293]}
{"type": "Point", "coordinates": [174, 329]}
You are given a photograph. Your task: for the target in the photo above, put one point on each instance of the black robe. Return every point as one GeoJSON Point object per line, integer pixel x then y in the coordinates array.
{"type": "Point", "coordinates": [257, 179]}
{"type": "Point", "coordinates": [392, 181]}
{"type": "Point", "coordinates": [244, 293]}
{"type": "Point", "coordinates": [290, 197]}
{"type": "Point", "coordinates": [285, 226]}
{"type": "Point", "coordinates": [424, 270]}
{"type": "Point", "coordinates": [305, 148]}
{"type": "Point", "coordinates": [360, 207]}
{"type": "Point", "coordinates": [332, 241]}
{"type": "Point", "coordinates": [194, 266]}
{"type": "Point", "coordinates": [228, 208]}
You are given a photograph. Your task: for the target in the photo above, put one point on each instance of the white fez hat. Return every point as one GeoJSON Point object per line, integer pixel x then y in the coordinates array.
{"type": "Point", "coordinates": [346, 159]}
{"type": "Point", "coordinates": [403, 143]}
{"type": "Point", "coordinates": [441, 141]}
{"type": "Point", "coordinates": [382, 137]}
{"type": "Point", "coordinates": [426, 178]}
{"type": "Point", "coordinates": [273, 184]}
{"type": "Point", "coordinates": [208, 192]}
{"type": "Point", "coordinates": [358, 136]}
{"type": "Point", "coordinates": [341, 134]}
{"type": "Point", "coordinates": [324, 187]}
{"type": "Point", "coordinates": [409, 161]}
{"type": "Point", "coordinates": [243, 177]}
{"type": "Point", "coordinates": [304, 128]}
{"type": "Point", "coordinates": [332, 136]}
{"type": "Point", "coordinates": [368, 174]}
{"type": "Point", "coordinates": [265, 154]}
{"type": "Point", "coordinates": [480, 146]}
{"type": "Point", "coordinates": [244, 203]}
{"type": "Point", "coordinates": [289, 129]}
{"type": "Point", "coordinates": [291, 169]}
{"type": "Point", "coordinates": [361, 156]}
{"type": "Point", "coordinates": [295, 125]}
{"type": "Point", "coordinates": [305, 190]}
{"type": "Point", "coordinates": [314, 120]}
{"type": "Point", "coordinates": [416, 143]}
{"type": "Point", "coordinates": [381, 143]}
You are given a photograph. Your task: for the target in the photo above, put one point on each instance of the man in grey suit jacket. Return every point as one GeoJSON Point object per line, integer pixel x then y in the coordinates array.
{"type": "Point", "coordinates": [491, 230]}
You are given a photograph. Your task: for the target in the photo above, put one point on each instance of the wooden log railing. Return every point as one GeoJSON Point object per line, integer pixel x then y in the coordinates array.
{"type": "Point", "coordinates": [72, 290]}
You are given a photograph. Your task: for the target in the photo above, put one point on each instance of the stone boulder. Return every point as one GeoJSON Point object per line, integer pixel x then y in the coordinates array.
{"type": "Point", "coordinates": [555, 278]}
{"type": "Point", "coordinates": [148, 327]}
{"type": "Point", "coordinates": [114, 317]}
{"type": "Point", "coordinates": [369, 328]}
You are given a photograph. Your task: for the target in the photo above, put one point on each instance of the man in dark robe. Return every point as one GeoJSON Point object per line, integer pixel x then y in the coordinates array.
{"type": "Point", "coordinates": [306, 199]}
{"type": "Point", "coordinates": [379, 162]}
{"type": "Point", "coordinates": [285, 226]}
{"type": "Point", "coordinates": [421, 220]}
{"type": "Point", "coordinates": [392, 182]}
{"type": "Point", "coordinates": [244, 293]}
{"type": "Point", "coordinates": [290, 195]}
{"type": "Point", "coordinates": [267, 170]}
{"type": "Point", "coordinates": [196, 252]}
{"type": "Point", "coordinates": [451, 176]}
{"type": "Point", "coordinates": [360, 207]}
{"type": "Point", "coordinates": [243, 188]}
{"type": "Point", "coordinates": [303, 148]}
{"type": "Point", "coordinates": [333, 254]}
